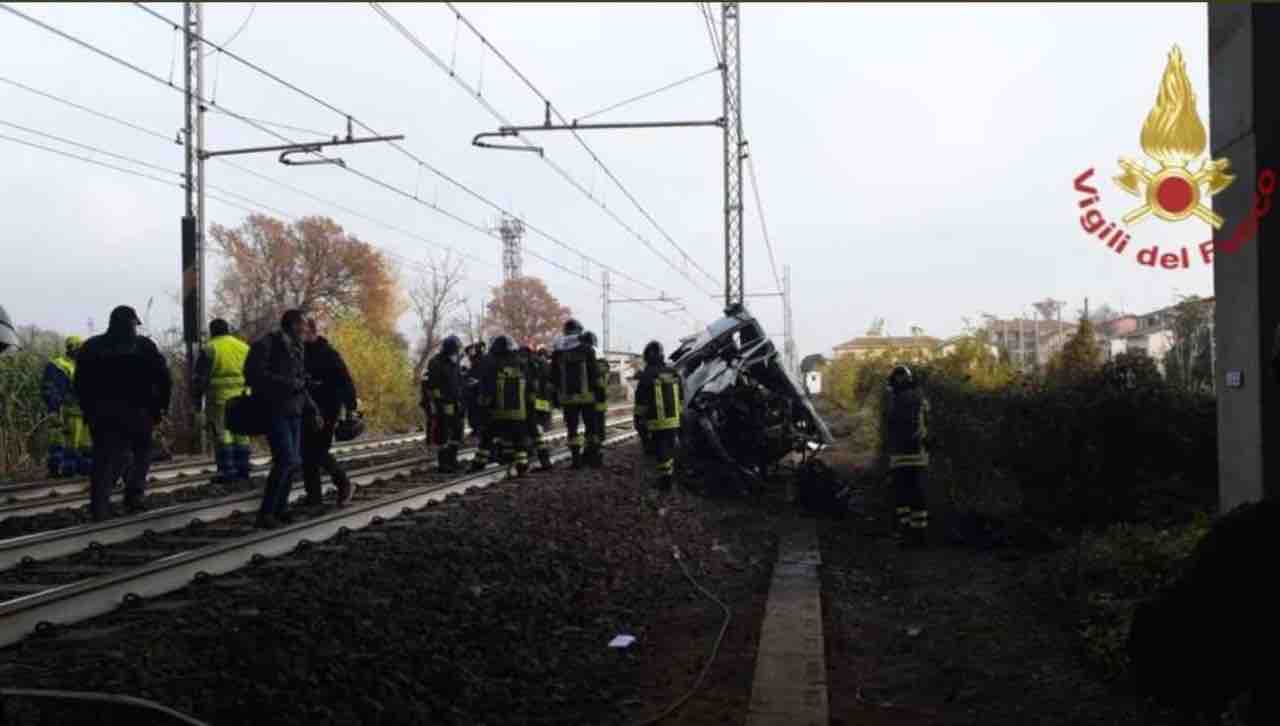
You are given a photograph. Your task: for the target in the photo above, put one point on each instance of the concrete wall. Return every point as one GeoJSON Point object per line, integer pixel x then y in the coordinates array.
{"type": "Point", "coordinates": [1244, 123]}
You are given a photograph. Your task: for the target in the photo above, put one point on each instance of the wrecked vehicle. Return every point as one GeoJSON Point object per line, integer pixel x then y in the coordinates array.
{"type": "Point", "coordinates": [743, 413]}
{"type": "Point", "coordinates": [8, 333]}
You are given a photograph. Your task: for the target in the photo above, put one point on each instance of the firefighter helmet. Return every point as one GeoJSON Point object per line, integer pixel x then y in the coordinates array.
{"type": "Point", "coordinates": [901, 376]}
{"type": "Point", "coordinates": [502, 345]}
{"type": "Point", "coordinates": [653, 353]}
{"type": "Point", "coordinates": [73, 344]}
{"type": "Point", "coordinates": [572, 327]}
{"type": "Point", "coordinates": [451, 345]}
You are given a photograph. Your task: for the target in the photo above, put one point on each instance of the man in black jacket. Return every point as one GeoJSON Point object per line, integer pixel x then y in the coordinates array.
{"type": "Point", "coordinates": [276, 370]}
{"type": "Point", "coordinates": [333, 391]}
{"type": "Point", "coordinates": [123, 384]}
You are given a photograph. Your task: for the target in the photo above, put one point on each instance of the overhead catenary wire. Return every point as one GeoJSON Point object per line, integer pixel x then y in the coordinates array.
{"type": "Point", "coordinates": [335, 109]}
{"type": "Point", "coordinates": [416, 42]}
{"type": "Point", "coordinates": [405, 151]}
{"type": "Point", "coordinates": [86, 159]}
{"type": "Point", "coordinates": [582, 142]}
{"type": "Point", "coordinates": [88, 147]}
{"type": "Point", "coordinates": [86, 109]}
{"type": "Point", "coordinates": [649, 94]}
{"type": "Point", "coordinates": [142, 71]}
{"type": "Point", "coordinates": [708, 19]}
{"type": "Point", "coordinates": [764, 228]}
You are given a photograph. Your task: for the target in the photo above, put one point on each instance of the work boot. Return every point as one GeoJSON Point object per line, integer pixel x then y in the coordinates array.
{"type": "Point", "coordinates": [477, 464]}
{"type": "Point", "coordinates": [664, 483]}
{"type": "Point", "coordinates": [266, 521]}
{"type": "Point", "coordinates": [134, 505]}
{"type": "Point", "coordinates": [595, 457]}
{"type": "Point", "coordinates": [522, 469]}
{"type": "Point", "coordinates": [346, 491]}
{"type": "Point", "coordinates": [576, 462]}
{"type": "Point", "coordinates": [315, 493]}
{"type": "Point", "coordinates": [544, 459]}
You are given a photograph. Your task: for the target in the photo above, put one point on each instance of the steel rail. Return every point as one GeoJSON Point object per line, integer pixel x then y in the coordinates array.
{"type": "Point", "coordinates": [40, 499]}
{"type": "Point", "coordinates": [40, 546]}
{"type": "Point", "coordinates": [52, 502]}
{"type": "Point", "coordinates": [29, 489]}
{"type": "Point", "coordinates": [88, 598]}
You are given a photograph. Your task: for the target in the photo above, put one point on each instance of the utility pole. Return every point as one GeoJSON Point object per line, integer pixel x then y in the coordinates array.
{"type": "Point", "coordinates": [789, 342]}
{"type": "Point", "coordinates": [731, 78]}
{"type": "Point", "coordinates": [193, 219]}
{"type": "Point", "coordinates": [604, 326]}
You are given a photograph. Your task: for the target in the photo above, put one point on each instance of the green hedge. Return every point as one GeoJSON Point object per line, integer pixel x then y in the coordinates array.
{"type": "Point", "coordinates": [1076, 457]}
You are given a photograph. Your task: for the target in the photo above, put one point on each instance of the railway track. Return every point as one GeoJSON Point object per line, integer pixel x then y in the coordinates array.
{"type": "Point", "coordinates": [14, 492]}
{"type": "Point", "coordinates": [29, 499]}
{"type": "Point", "coordinates": [70, 575]}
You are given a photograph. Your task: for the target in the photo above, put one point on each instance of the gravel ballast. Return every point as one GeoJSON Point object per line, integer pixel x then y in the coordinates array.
{"type": "Point", "coordinates": [493, 608]}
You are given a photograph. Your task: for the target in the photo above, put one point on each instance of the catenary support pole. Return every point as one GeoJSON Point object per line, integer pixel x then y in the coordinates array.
{"type": "Point", "coordinates": [731, 75]}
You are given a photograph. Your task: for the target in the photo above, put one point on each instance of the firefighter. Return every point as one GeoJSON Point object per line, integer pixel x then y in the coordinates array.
{"type": "Point", "coordinates": [220, 378]}
{"type": "Point", "coordinates": [906, 440]}
{"type": "Point", "coordinates": [602, 403]}
{"type": "Point", "coordinates": [573, 367]}
{"type": "Point", "coordinates": [471, 386]}
{"type": "Point", "coordinates": [540, 415]}
{"type": "Point", "coordinates": [442, 387]}
{"type": "Point", "coordinates": [70, 446]}
{"type": "Point", "coordinates": [657, 411]}
{"type": "Point", "coordinates": [504, 400]}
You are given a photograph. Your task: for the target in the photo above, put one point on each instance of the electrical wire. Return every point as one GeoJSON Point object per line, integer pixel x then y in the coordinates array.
{"type": "Point", "coordinates": [755, 187]}
{"type": "Point", "coordinates": [422, 163]}
{"type": "Point", "coordinates": [709, 21]}
{"type": "Point", "coordinates": [414, 40]}
{"type": "Point", "coordinates": [239, 30]}
{"type": "Point", "coordinates": [715, 647]}
{"type": "Point", "coordinates": [650, 94]}
{"type": "Point", "coordinates": [553, 109]}
{"type": "Point", "coordinates": [86, 109]}
{"type": "Point", "coordinates": [89, 160]}
{"type": "Point", "coordinates": [88, 147]}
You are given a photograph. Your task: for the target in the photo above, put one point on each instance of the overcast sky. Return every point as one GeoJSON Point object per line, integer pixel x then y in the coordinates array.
{"type": "Point", "coordinates": [915, 162]}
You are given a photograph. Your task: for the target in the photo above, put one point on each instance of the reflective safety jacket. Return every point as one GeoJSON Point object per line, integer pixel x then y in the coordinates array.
{"type": "Point", "coordinates": [57, 386]}
{"type": "Point", "coordinates": [602, 395]}
{"type": "Point", "coordinates": [574, 372]}
{"type": "Point", "coordinates": [906, 424]}
{"type": "Point", "coordinates": [443, 384]}
{"type": "Point", "coordinates": [504, 388]}
{"type": "Point", "coordinates": [658, 398]}
{"type": "Point", "coordinates": [539, 384]}
{"type": "Point", "coordinates": [220, 369]}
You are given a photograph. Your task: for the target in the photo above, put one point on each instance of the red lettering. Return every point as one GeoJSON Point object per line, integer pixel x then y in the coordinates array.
{"type": "Point", "coordinates": [1206, 251]}
{"type": "Point", "coordinates": [1080, 186]}
{"type": "Point", "coordinates": [1148, 256]}
{"type": "Point", "coordinates": [1186, 263]}
{"type": "Point", "coordinates": [1169, 257]}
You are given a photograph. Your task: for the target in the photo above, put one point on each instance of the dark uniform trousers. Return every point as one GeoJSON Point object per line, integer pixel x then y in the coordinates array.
{"type": "Point", "coordinates": [539, 421]}
{"type": "Point", "coordinates": [585, 413]}
{"type": "Point", "coordinates": [120, 433]}
{"type": "Point", "coordinates": [504, 441]}
{"type": "Point", "coordinates": [317, 457]}
{"type": "Point", "coordinates": [447, 419]}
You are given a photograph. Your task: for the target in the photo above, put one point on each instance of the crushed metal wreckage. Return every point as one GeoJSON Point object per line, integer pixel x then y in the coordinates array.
{"type": "Point", "coordinates": [8, 332]}
{"type": "Point", "coordinates": [743, 413]}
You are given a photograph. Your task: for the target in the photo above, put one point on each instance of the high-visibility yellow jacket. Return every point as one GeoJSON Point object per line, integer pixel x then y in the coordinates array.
{"type": "Point", "coordinates": [220, 369]}
{"type": "Point", "coordinates": [658, 398]}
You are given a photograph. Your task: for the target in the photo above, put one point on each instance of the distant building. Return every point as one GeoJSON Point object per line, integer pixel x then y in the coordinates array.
{"type": "Point", "coordinates": [870, 345]}
{"type": "Point", "coordinates": [1150, 333]}
{"type": "Point", "coordinates": [1029, 343]}
{"type": "Point", "coordinates": [623, 369]}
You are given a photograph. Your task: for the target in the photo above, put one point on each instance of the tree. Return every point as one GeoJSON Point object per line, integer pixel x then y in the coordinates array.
{"type": "Point", "coordinates": [973, 360]}
{"type": "Point", "coordinates": [310, 264]}
{"type": "Point", "coordinates": [524, 309]}
{"type": "Point", "coordinates": [382, 374]}
{"type": "Point", "coordinates": [1188, 363]}
{"type": "Point", "coordinates": [1132, 371]}
{"type": "Point", "coordinates": [469, 324]}
{"type": "Point", "coordinates": [1079, 359]}
{"type": "Point", "coordinates": [435, 296]}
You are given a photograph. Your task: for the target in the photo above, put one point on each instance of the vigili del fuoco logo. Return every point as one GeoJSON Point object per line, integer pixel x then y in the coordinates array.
{"type": "Point", "coordinates": [1172, 137]}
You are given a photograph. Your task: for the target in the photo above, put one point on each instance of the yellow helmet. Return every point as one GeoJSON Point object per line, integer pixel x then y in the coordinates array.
{"type": "Point", "coordinates": [73, 344]}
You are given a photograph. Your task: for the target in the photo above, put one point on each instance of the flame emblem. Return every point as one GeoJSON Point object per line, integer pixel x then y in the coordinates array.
{"type": "Point", "coordinates": [1173, 137]}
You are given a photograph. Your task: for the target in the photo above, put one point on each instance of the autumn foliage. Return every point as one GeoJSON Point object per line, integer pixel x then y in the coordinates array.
{"type": "Point", "coordinates": [312, 264]}
{"type": "Point", "coordinates": [524, 309]}
{"type": "Point", "coordinates": [382, 372]}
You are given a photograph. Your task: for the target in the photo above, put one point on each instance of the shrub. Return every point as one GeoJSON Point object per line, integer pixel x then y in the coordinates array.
{"type": "Point", "coordinates": [383, 376]}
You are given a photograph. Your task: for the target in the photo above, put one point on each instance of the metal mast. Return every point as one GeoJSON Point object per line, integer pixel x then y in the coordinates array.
{"type": "Point", "coordinates": [512, 231]}
{"type": "Point", "coordinates": [789, 343]}
{"type": "Point", "coordinates": [193, 217]}
{"type": "Point", "coordinates": [731, 75]}
{"type": "Point", "coordinates": [604, 299]}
